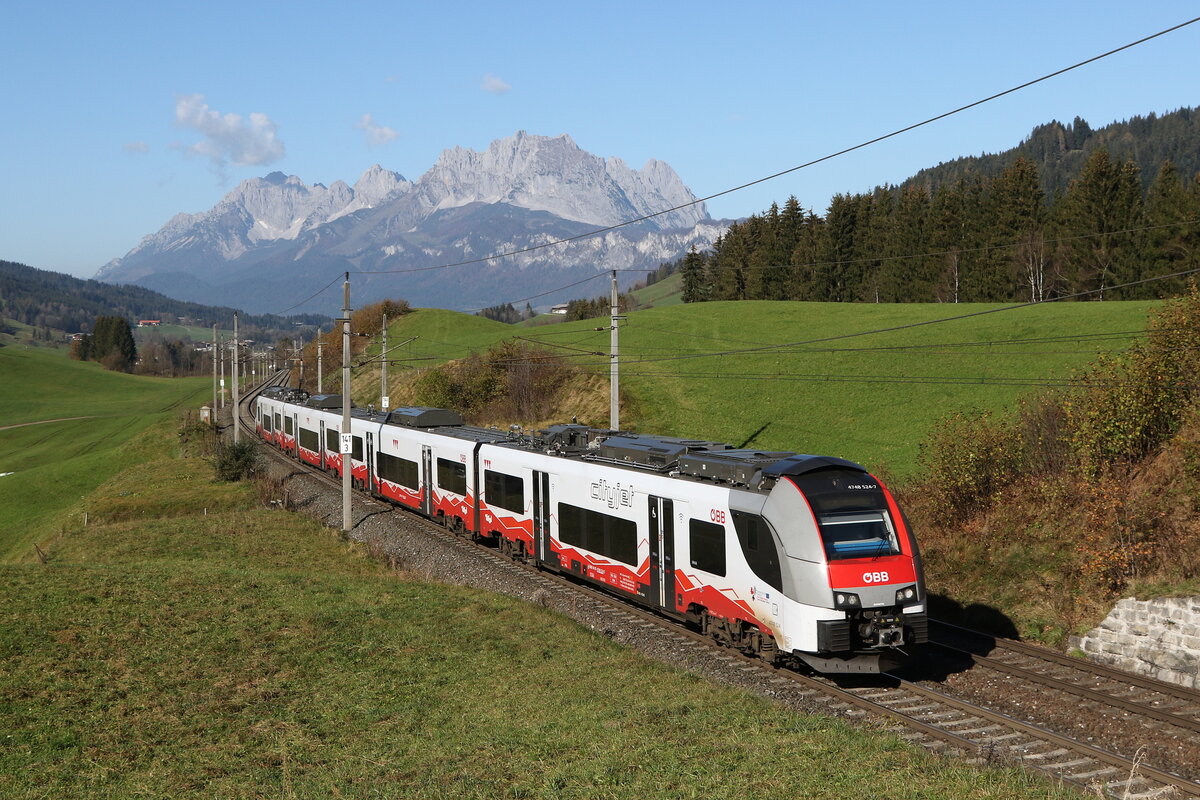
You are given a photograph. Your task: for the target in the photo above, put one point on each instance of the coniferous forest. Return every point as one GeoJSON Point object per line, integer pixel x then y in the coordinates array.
{"type": "Point", "coordinates": [1071, 211]}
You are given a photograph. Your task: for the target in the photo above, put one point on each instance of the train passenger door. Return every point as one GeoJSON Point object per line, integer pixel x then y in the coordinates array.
{"type": "Point", "coordinates": [321, 444]}
{"type": "Point", "coordinates": [541, 515]}
{"type": "Point", "coordinates": [427, 479]}
{"type": "Point", "coordinates": [662, 551]}
{"type": "Point", "coordinates": [370, 456]}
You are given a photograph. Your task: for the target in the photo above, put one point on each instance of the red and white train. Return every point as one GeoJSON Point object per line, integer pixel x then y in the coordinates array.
{"type": "Point", "coordinates": [792, 557]}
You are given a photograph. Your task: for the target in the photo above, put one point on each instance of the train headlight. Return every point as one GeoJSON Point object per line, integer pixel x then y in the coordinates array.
{"type": "Point", "coordinates": [906, 595]}
{"type": "Point", "coordinates": [846, 600]}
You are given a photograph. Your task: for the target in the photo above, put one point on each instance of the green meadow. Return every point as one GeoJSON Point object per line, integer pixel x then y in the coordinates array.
{"type": "Point", "coordinates": [190, 642]}
{"type": "Point", "coordinates": [715, 370]}
{"type": "Point", "coordinates": [54, 463]}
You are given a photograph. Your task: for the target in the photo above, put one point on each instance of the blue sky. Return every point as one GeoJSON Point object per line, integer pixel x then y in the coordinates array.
{"type": "Point", "coordinates": [118, 116]}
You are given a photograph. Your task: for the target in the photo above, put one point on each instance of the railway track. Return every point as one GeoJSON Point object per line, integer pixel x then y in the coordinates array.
{"type": "Point", "coordinates": [920, 714]}
{"type": "Point", "coordinates": [1156, 700]}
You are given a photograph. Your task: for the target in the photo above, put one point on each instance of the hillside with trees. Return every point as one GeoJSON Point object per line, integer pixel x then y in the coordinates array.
{"type": "Point", "coordinates": [1059, 151]}
{"type": "Point", "coordinates": [979, 239]}
{"type": "Point", "coordinates": [52, 300]}
{"type": "Point", "coordinates": [1070, 211]}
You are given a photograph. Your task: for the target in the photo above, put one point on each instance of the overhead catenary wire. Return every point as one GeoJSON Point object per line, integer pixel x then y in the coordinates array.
{"type": "Point", "coordinates": [757, 181]}
{"type": "Point", "coordinates": [813, 162]}
{"type": "Point", "coordinates": [923, 323]}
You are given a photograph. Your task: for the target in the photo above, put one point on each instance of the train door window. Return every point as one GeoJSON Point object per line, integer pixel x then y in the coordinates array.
{"type": "Point", "coordinates": [332, 440]}
{"type": "Point", "coordinates": [609, 536]}
{"type": "Point", "coordinates": [758, 546]}
{"type": "Point", "coordinates": [357, 452]}
{"type": "Point", "coordinates": [397, 470]}
{"type": "Point", "coordinates": [309, 440]}
{"type": "Point", "coordinates": [278, 422]}
{"type": "Point", "coordinates": [706, 543]}
{"type": "Point", "coordinates": [504, 491]}
{"type": "Point", "coordinates": [267, 423]}
{"type": "Point", "coordinates": [287, 426]}
{"type": "Point", "coordinates": [452, 476]}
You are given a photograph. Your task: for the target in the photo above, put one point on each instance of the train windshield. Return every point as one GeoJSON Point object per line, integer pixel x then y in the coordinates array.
{"type": "Point", "coordinates": [851, 512]}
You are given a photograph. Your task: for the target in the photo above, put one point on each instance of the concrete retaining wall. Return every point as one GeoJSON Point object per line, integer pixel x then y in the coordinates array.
{"type": "Point", "coordinates": [1158, 638]}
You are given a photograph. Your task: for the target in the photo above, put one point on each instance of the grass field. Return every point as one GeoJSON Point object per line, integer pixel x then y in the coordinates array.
{"type": "Point", "coordinates": [54, 463]}
{"type": "Point", "coordinates": [247, 652]}
{"type": "Point", "coordinates": [870, 398]}
{"type": "Point", "coordinates": [667, 292]}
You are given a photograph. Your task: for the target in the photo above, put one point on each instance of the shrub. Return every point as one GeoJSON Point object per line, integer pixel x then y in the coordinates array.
{"type": "Point", "coordinates": [235, 461]}
{"type": "Point", "coordinates": [967, 460]}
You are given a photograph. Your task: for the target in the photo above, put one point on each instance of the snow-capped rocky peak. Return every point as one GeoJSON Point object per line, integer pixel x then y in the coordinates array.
{"type": "Point", "coordinates": [553, 174]}
{"type": "Point", "coordinates": [377, 184]}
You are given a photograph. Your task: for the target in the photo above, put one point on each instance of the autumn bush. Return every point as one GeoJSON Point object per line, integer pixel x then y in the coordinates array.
{"type": "Point", "coordinates": [511, 381]}
{"type": "Point", "coordinates": [1081, 493]}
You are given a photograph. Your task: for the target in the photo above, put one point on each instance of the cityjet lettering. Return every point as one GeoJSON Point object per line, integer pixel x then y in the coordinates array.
{"type": "Point", "coordinates": [612, 496]}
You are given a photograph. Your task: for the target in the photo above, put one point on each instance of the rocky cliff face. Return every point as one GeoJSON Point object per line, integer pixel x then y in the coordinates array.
{"type": "Point", "coordinates": [522, 191]}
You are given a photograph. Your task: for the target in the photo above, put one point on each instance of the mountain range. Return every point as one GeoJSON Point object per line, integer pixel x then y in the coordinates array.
{"type": "Point", "coordinates": [274, 241]}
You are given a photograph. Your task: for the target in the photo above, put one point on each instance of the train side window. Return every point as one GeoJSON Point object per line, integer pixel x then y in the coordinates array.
{"type": "Point", "coordinates": [357, 452]}
{"type": "Point", "coordinates": [452, 476]}
{"type": "Point", "coordinates": [504, 491]}
{"type": "Point", "coordinates": [397, 470]}
{"type": "Point", "coordinates": [706, 543]}
{"type": "Point", "coordinates": [331, 440]}
{"type": "Point", "coordinates": [758, 546]}
{"type": "Point", "coordinates": [609, 536]}
{"type": "Point", "coordinates": [278, 418]}
{"type": "Point", "coordinates": [267, 423]}
{"type": "Point", "coordinates": [287, 426]}
{"type": "Point", "coordinates": [309, 440]}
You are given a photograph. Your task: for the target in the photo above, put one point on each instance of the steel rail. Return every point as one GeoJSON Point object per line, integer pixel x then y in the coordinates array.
{"type": "Point", "coordinates": [1172, 690]}
{"type": "Point", "coordinates": [1104, 698]}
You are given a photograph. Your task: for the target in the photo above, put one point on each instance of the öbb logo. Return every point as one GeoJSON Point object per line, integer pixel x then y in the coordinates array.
{"type": "Point", "coordinates": [875, 577]}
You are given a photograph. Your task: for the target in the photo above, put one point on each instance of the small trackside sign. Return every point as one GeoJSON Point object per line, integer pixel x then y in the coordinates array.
{"type": "Point", "coordinates": [347, 443]}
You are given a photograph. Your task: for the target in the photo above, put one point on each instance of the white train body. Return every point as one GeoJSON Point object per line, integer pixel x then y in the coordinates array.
{"type": "Point", "coordinates": [785, 555]}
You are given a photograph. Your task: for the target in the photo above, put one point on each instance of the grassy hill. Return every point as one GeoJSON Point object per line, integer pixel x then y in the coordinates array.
{"type": "Point", "coordinates": [248, 652]}
{"type": "Point", "coordinates": [54, 463]}
{"type": "Point", "coordinates": [667, 292]}
{"type": "Point", "coordinates": [870, 398]}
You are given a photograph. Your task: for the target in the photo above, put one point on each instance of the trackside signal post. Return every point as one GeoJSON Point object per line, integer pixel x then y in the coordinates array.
{"type": "Point", "coordinates": [347, 437]}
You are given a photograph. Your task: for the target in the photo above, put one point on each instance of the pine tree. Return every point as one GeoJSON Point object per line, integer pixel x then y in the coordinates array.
{"type": "Point", "coordinates": [1170, 246]}
{"type": "Point", "coordinates": [1103, 203]}
{"type": "Point", "coordinates": [694, 279]}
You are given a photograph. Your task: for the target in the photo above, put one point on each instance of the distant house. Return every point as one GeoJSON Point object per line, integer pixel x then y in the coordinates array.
{"type": "Point", "coordinates": [149, 323]}
{"type": "Point", "coordinates": [561, 308]}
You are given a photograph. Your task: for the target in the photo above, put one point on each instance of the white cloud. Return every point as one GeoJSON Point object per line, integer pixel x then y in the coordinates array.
{"type": "Point", "coordinates": [136, 147]}
{"type": "Point", "coordinates": [228, 137]}
{"type": "Point", "coordinates": [376, 134]}
{"type": "Point", "coordinates": [494, 84]}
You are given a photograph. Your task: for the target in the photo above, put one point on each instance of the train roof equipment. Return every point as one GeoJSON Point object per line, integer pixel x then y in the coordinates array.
{"type": "Point", "coordinates": [423, 417]}
{"type": "Point", "coordinates": [327, 402]}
